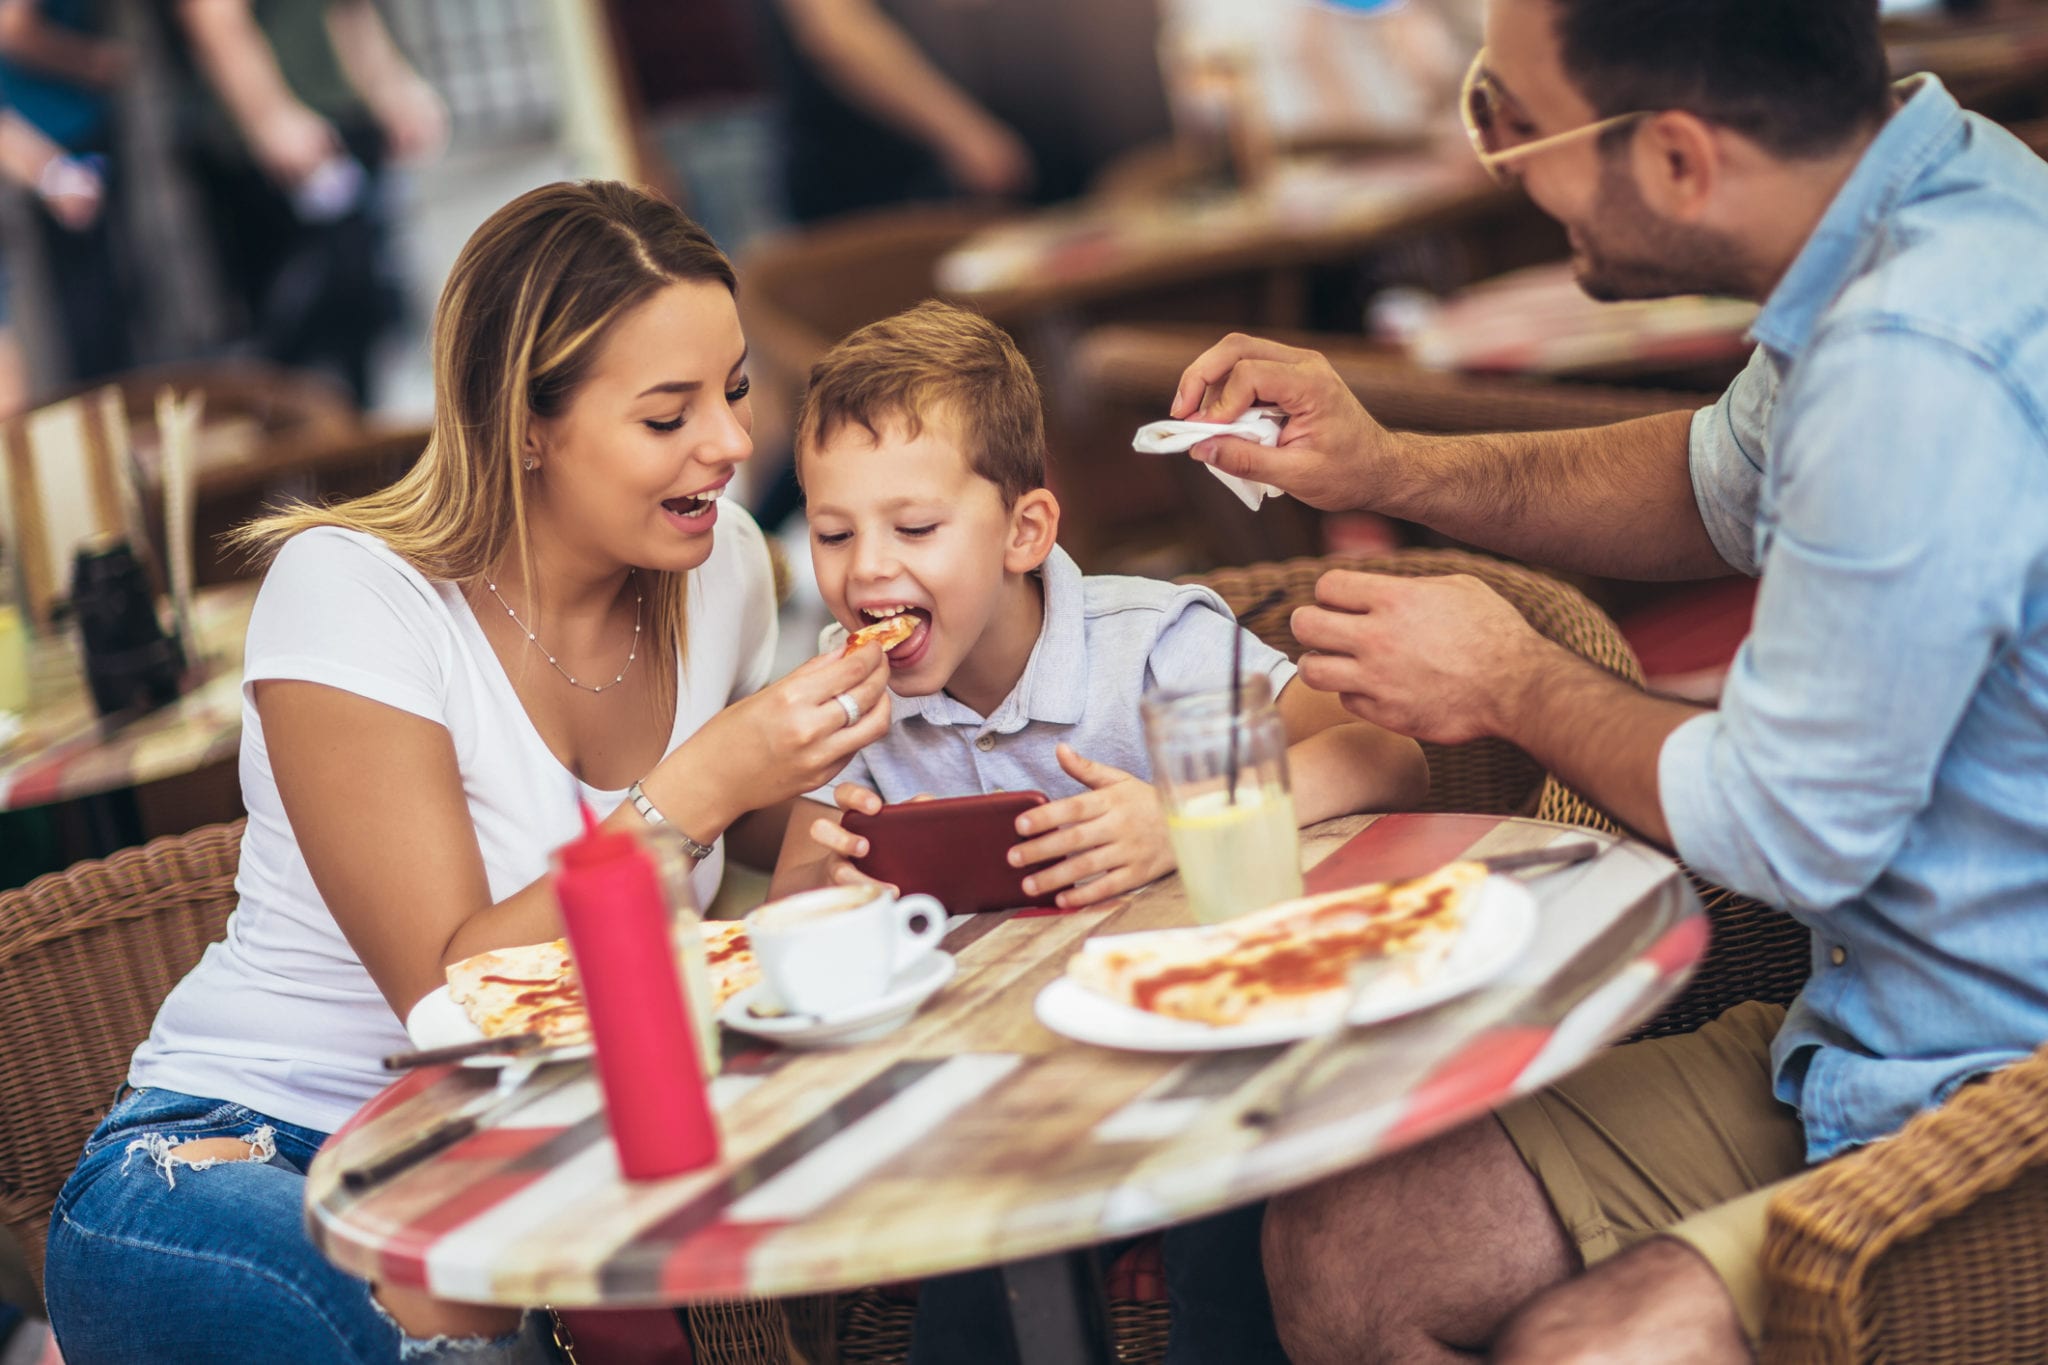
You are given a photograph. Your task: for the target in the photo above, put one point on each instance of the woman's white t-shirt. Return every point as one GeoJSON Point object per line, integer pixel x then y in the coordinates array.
{"type": "Point", "coordinates": [281, 1016]}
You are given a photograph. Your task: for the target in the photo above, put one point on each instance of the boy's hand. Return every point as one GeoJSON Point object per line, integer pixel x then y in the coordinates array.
{"type": "Point", "coordinates": [1116, 829]}
{"type": "Point", "coordinates": [840, 844]}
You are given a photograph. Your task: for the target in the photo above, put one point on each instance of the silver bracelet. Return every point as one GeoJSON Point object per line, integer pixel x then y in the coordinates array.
{"type": "Point", "coordinates": [698, 852]}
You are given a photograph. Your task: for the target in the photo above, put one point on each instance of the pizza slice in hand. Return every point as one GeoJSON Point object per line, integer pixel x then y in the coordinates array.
{"type": "Point", "coordinates": [888, 632]}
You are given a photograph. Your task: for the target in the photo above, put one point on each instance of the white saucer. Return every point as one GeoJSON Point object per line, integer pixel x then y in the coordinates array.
{"type": "Point", "coordinates": [913, 986]}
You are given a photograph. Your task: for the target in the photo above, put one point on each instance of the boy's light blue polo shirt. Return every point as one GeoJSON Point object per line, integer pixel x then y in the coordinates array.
{"type": "Point", "coordinates": [1105, 642]}
{"type": "Point", "coordinates": [1878, 767]}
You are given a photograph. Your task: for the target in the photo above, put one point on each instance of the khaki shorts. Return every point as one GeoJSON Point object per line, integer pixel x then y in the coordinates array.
{"type": "Point", "coordinates": [1679, 1136]}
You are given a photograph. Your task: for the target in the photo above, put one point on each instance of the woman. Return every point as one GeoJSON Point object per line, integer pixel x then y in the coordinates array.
{"type": "Point", "coordinates": [435, 674]}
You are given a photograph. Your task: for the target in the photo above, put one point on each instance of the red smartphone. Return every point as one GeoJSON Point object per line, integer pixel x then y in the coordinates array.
{"type": "Point", "coordinates": [956, 849]}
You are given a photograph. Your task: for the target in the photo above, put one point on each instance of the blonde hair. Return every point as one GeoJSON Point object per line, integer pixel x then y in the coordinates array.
{"type": "Point", "coordinates": [523, 316]}
{"type": "Point", "coordinates": [931, 356]}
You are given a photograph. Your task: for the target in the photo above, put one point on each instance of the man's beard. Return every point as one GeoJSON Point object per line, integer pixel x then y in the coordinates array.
{"type": "Point", "coordinates": [1638, 255]}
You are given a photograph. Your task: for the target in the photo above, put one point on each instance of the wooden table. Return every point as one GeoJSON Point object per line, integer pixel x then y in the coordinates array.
{"type": "Point", "coordinates": [67, 752]}
{"type": "Point", "coordinates": [1308, 212]}
{"type": "Point", "coordinates": [975, 1137]}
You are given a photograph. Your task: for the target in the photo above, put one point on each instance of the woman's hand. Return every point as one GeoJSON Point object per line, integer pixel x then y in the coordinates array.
{"type": "Point", "coordinates": [789, 738]}
{"type": "Point", "coordinates": [1114, 832]}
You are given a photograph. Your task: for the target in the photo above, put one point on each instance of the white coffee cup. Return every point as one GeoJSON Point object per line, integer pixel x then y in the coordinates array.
{"type": "Point", "coordinates": [831, 951]}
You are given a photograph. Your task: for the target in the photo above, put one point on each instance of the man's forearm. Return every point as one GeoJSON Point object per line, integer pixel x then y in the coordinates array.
{"type": "Point", "coordinates": [1616, 500]}
{"type": "Point", "coordinates": [231, 50]}
{"type": "Point", "coordinates": [32, 41]}
{"type": "Point", "coordinates": [1598, 735]}
{"type": "Point", "coordinates": [369, 58]}
{"type": "Point", "coordinates": [875, 65]}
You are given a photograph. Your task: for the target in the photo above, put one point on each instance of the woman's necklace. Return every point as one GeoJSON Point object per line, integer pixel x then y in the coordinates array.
{"type": "Point", "coordinates": [631, 654]}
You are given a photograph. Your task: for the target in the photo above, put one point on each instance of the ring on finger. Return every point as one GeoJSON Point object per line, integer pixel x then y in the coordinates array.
{"type": "Point", "coordinates": [849, 706]}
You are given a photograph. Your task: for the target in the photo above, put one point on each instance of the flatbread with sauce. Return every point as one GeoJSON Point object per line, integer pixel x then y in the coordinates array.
{"type": "Point", "coordinates": [533, 989]}
{"type": "Point", "coordinates": [888, 632]}
{"type": "Point", "coordinates": [1288, 960]}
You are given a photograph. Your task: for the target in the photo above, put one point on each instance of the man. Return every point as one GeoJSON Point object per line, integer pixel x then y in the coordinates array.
{"type": "Point", "coordinates": [1878, 767]}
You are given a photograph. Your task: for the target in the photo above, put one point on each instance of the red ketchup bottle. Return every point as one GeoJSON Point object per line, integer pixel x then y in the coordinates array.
{"type": "Point", "coordinates": [655, 1097]}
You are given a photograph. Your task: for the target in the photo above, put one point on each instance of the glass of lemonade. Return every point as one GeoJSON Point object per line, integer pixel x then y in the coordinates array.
{"type": "Point", "coordinates": [1237, 843]}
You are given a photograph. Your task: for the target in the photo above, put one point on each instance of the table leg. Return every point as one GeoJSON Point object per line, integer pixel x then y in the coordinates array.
{"type": "Point", "coordinates": [1059, 1310]}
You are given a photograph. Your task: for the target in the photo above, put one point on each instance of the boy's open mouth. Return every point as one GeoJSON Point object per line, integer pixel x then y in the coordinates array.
{"type": "Point", "coordinates": [912, 649]}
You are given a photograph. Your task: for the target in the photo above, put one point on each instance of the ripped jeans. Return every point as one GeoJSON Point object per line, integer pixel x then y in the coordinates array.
{"type": "Point", "coordinates": [156, 1259]}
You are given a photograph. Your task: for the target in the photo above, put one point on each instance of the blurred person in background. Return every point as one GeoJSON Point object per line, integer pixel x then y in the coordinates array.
{"type": "Point", "coordinates": [57, 72]}
{"type": "Point", "coordinates": [710, 111]}
{"type": "Point", "coordinates": [1343, 72]}
{"type": "Point", "coordinates": [295, 110]}
{"type": "Point", "coordinates": [892, 101]}
{"type": "Point", "coordinates": [66, 190]}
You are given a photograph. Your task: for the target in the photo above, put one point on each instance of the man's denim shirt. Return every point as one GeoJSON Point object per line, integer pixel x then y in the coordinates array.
{"type": "Point", "coordinates": [1878, 767]}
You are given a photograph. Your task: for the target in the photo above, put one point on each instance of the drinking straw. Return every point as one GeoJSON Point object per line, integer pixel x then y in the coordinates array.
{"type": "Point", "coordinates": [1236, 685]}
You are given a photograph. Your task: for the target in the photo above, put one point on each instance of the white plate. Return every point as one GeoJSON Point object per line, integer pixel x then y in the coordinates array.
{"type": "Point", "coordinates": [1502, 921]}
{"type": "Point", "coordinates": [914, 985]}
{"type": "Point", "coordinates": [437, 1021]}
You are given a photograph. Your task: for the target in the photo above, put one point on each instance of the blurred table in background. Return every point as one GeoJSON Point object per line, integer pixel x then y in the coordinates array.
{"type": "Point", "coordinates": [65, 752]}
{"type": "Point", "coordinates": [1996, 63]}
{"type": "Point", "coordinates": [1123, 245]}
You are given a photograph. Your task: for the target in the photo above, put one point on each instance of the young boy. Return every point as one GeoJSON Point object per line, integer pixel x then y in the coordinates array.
{"type": "Point", "coordinates": [921, 451]}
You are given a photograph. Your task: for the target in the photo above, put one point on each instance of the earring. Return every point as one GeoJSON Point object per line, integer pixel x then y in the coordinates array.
{"type": "Point", "coordinates": [531, 464]}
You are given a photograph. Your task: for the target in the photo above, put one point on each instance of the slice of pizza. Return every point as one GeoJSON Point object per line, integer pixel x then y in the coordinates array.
{"type": "Point", "coordinates": [1289, 960]}
{"type": "Point", "coordinates": [534, 989]}
{"type": "Point", "coordinates": [730, 958]}
{"type": "Point", "coordinates": [529, 989]}
{"type": "Point", "coordinates": [888, 632]}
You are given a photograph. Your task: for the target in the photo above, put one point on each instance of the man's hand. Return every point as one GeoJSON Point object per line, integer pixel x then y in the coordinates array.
{"type": "Point", "coordinates": [1114, 832]}
{"type": "Point", "coordinates": [292, 142]}
{"type": "Point", "coordinates": [413, 117]}
{"type": "Point", "coordinates": [984, 157]}
{"type": "Point", "coordinates": [1442, 659]}
{"type": "Point", "coordinates": [1332, 454]}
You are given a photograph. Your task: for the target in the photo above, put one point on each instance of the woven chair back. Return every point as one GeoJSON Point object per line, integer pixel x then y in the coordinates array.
{"type": "Point", "coordinates": [86, 956]}
{"type": "Point", "coordinates": [1488, 775]}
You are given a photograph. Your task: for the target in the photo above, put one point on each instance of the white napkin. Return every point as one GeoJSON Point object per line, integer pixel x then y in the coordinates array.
{"type": "Point", "coordinates": [1177, 438]}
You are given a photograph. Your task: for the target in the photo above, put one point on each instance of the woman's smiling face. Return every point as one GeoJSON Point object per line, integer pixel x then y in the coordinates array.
{"type": "Point", "coordinates": [630, 474]}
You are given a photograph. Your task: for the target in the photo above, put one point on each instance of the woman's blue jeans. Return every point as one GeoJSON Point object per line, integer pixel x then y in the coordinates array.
{"type": "Point", "coordinates": [160, 1261]}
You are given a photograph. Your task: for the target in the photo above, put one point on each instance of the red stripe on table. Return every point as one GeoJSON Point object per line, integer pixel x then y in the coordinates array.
{"type": "Point", "coordinates": [516, 1155]}
{"type": "Point", "coordinates": [1478, 1076]}
{"type": "Point", "coordinates": [712, 1262]}
{"type": "Point", "coordinates": [1397, 846]}
{"type": "Point", "coordinates": [42, 781]}
{"type": "Point", "coordinates": [1682, 946]}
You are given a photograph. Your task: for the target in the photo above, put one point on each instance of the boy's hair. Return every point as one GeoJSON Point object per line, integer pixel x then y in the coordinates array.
{"type": "Point", "coordinates": [931, 357]}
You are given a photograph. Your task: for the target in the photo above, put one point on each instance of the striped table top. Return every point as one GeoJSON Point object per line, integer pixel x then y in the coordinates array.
{"type": "Point", "coordinates": [973, 1135]}
{"type": "Point", "coordinates": [64, 750]}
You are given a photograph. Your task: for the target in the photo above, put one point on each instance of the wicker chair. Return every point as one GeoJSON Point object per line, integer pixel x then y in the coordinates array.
{"type": "Point", "coordinates": [1486, 775]}
{"type": "Point", "coordinates": [86, 956]}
